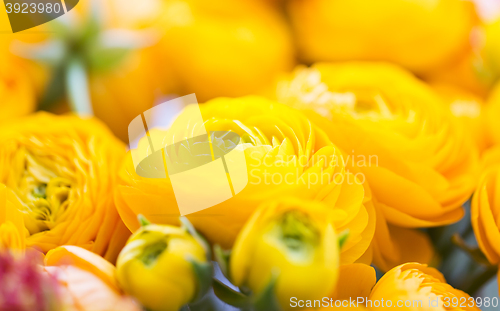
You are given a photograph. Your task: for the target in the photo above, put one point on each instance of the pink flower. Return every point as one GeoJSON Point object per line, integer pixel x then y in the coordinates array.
{"type": "Point", "coordinates": [23, 285]}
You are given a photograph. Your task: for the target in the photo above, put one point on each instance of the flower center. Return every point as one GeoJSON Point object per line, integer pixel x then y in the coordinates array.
{"type": "Point", "coordinates": [44, 194]}
{"type": "Point", "coordinates": [151, 252]}
{"type": "Point", "coordinates": [296, 235]}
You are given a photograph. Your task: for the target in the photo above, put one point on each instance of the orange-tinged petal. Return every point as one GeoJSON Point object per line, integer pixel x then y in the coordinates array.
{"type": "Point", "coordinates": [485, 214]}
{"type": "Point", "coordinates": [84, 291]}
{"type": "Point", "coordinates": [85, 260]}
{"type": "Point", "coordinates": [355, 280]}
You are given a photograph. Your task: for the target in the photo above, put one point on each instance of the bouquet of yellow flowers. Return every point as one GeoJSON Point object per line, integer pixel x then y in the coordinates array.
{"type": "Point", "coordinates": [343, 154]}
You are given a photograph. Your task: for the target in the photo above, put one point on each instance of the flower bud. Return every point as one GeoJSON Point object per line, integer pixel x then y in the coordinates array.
{"type": "Point", "coordinates": [291, 243]}
{"type": "Point", "coordinates": [159, 267]}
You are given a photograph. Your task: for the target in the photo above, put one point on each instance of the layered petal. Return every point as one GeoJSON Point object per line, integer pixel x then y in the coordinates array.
{"type": "Point", "coordinates": [286, 156]}
{"type": "Point", "coordinates": [418, 284]}
{"type": "Point", "coordinates": [417, 159]}
{"type": "Point", "coordinates": [62, 170]}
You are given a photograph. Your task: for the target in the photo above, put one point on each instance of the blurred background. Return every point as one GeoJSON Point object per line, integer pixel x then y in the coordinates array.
{"type": "Point", "coordinates": [114, 59]}
{"type": "Point", "coordinates": [117, 58]}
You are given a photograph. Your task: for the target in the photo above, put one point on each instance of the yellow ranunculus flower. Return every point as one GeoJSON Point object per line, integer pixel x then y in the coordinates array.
{"type": "Point", "coordinates": [226, 47]}
{"type": "Point", "coordinates": [122, 93]}
{"type": "Point", "coordinates": [419, 285]}
{"type": "Point", "coordinates": [423, 164]}
{"type": "Point", "coordinates": [17, 95]}
{"type": "Point", "coordinates": [463, 72]}
{"type": "Point", "coordinates": [393, 245]}
{"type": "Point", "coordinates": [466, 107]}
{"type": "Point", "coordinates": [156, 267]}
{"type": "Point", "coordinates": [355, 280]}
{"type": "Point", "coordinates": [490, 48]}
{"type": "Point", "coordinates": [292, 241]}
{"type": "Point", "coordinates": [418, 35]}
{"type": "Point", "coordinates": [12, 232]}
{"type": "Point", "coordinates": [62, 168]}
{"type": "Point", "coordinates": [118, 94]}
{"type": "Point", "coordinates": [286, 155]}
{"type": "Point", "coordinates": [485, 208]}
{"type": "Point", "coordinates": [492, 111]}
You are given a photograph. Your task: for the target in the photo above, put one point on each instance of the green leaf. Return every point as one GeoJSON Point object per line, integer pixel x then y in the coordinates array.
{"type": "Point", "coordinates": [222, 258]}
{"type": "Point", "coordinates": [143, 220]}
{"type": "Point", "coordinates": [91, 27]}
{"type": "Point", "coordinates": [230, 296]}
{"type": "Point", "coordinates": [204, 273]}
{"type": "Point", "coordinates": [266, 300]}
{"type": "Point", "coordinates": [343, 236]}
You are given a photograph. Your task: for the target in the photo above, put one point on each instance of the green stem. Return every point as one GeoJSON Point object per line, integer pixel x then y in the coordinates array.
{"type": "Point", "coordinates": [78, 88]}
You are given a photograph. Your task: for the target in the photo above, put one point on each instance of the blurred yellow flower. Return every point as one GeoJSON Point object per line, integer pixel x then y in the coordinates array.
{"type": "Point", "coordinates": [63, 171]}
{"type": "Point", "coordinates": [489, 48]}
{"type": "Point", "coordinates": [16, 90]}
{"type": "Point", "coordinates": [492, 111]}
{"type": "Point", "coordinates": [12, 232]}
{"type": "Point", "coordinates": [468, 108]}
{"type": "Point", "coordinates": [393, 245]}
{"type": "Point", "coordinates": [156, 267]}
{"type": "Point", "coordinates": [490, 158]}
{"type": "Point", "coordinates": [227, 47]}
{"type": "Point", "coordinates": [425, 288]}
{"type": "Point", "coordinates": [419, 35]}
{"type": "Point", "coordinates": [355, 280]}
{"type": "Point", "coordinates": [123, 92]}
{"type": "Point", "coordinates": [464, 71]}
{"type": "Point", "coordinates": [292, 241]}
{"type": "Point", "coordinates": [485, 208]}
{"type": "Point", "coordinates": [126, 70]}
{"type": "Point", "coordinates": [86, 281]}
{"type": "Point", "coordinates": [422, 166]}
{"type": "Point", "coordinates": [133, 85]}
{"type": "Point", "coordinates": [286, 156]}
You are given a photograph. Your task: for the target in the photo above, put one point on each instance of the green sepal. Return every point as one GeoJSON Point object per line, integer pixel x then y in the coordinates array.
{"type": "Point", "coordinates": [266, 300]}
{"type": "Point", "coordinates": [204, 273]}
{"type": "Point", "coordinates": [222, 258]}
{"type": "Point", "coordinates": [230, 296]}
{"type": "Point", "coordinates": [342, 238]}
{"type": "Point", "coordinates": [188, 226]}
{"type": "Point", "coordinates": [143, 220]}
